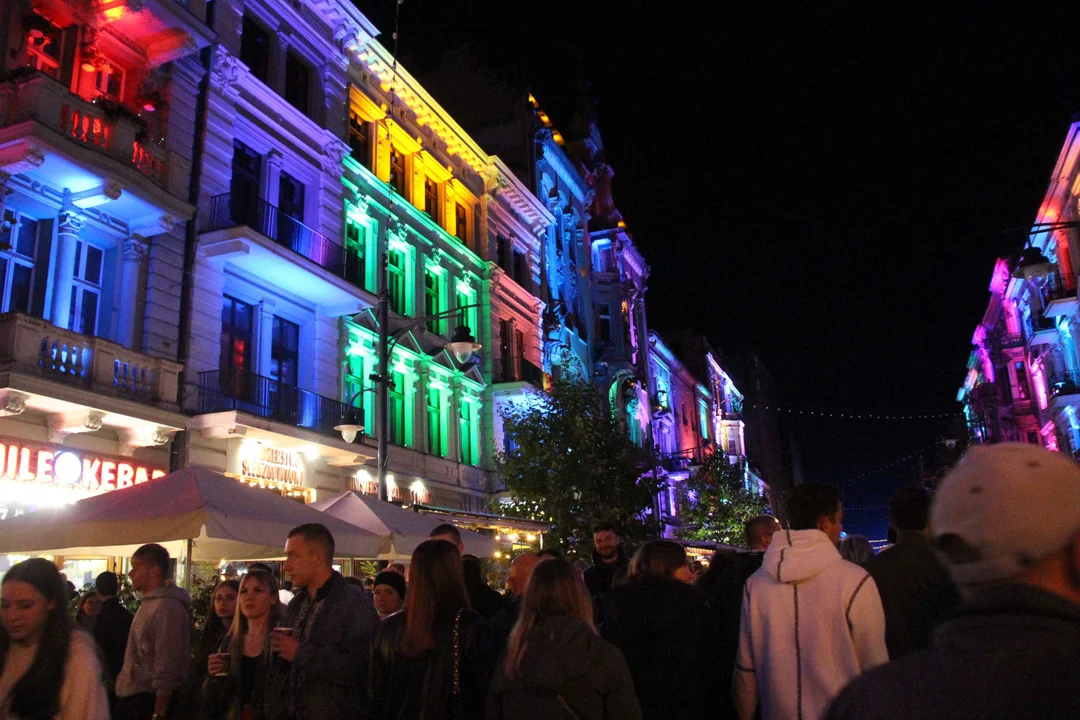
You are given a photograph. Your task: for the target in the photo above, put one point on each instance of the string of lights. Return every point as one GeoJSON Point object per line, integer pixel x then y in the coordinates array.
{"type": "Point", "coordinates": [882, 468]}
{"type": "Point", "coordinates": [850, 415]}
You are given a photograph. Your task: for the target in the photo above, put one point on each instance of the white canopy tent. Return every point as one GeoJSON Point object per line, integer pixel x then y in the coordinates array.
{"type": "Point", "coordinates": [399, 530]}
{"type": "Point", "coordinates": [207, 515]}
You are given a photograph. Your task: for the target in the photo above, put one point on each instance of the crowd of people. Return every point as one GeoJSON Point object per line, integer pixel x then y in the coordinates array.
{"type": "Point", "coordinates": [973, 612]}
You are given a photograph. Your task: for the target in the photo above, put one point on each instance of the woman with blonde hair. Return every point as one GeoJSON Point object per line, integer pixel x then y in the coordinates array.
{"type": "Point", "coordinates": [241, 675]}
{"type": "Point", "coordinates": [556, 666]}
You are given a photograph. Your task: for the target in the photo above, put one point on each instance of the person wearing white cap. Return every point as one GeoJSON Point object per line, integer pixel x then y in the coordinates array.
{"type": "Point", "coordinates": [1007, 523]}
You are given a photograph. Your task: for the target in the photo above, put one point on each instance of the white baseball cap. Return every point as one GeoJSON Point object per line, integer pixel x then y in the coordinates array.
{"type": "Point", "coordinates": [1004, 507]}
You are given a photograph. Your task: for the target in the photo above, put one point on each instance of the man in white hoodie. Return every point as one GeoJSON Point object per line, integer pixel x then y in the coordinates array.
{"type": "Point", "coordinates": [157, 657]}
{"type": "Point", "coordinates": [811, 621]}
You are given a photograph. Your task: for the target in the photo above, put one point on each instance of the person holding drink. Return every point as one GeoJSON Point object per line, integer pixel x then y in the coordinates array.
{"type": "Point", "coordinates": [242, 675]}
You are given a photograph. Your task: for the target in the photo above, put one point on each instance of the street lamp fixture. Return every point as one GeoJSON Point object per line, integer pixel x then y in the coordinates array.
{"type": "Point", "coordinates": [463, 344]}
{"type": "Point", "coordinates": [1032, 263]}
{"type": "Point", "coordinates": [350, 427]}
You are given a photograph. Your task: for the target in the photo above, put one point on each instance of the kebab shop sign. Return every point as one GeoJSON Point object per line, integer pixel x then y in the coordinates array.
{"type": "Point", "coordinates": [33, 476]}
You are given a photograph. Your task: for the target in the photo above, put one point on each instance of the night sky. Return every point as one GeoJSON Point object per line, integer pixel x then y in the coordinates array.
{"type": "Point", "coordinates": [825, 183]}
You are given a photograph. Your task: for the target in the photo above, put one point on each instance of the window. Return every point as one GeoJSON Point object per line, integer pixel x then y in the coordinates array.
{"type": "Point", "coordinates": [86, 288]}
{"type": "Point", "coordinates": [284, 351]}
{"type": "Point", "coordinates": [605, 322]}
{"type": "Point", "coordinates": [521, 270]}
{"type": "Point", "coordinates": [431, 199]}
{"type": "Point", "coordinates": [359, 139]}
{"type": "Point", "coordinates": [44, 46]}
{"type": "Point", "coordinates": [604, 258]}
{"type": "Point", "coordinates": [685, 417]}
{"type": "Point", "coordinates": [396, 261]}
{"type": "Point", "coordinates": [1021, 382]}
{"type": "Point", "coordinates": [519, 354]}
{"type": "Point", "coordinates": [356, 252]}
{"type": "Point", "coordinates": [461, 223]}
{"type": "Point", "coordinates": [19, 235]}
{"type": "Point", "coordinates": [504, 249]}
{"type": "Point", "coordinates": [463, 298]}
{"type": "Point", "coordinates": [468, 456]}
{"type": "Point", "coordinates": [255, 48]}
{"type": "Point", "coordinates": [244, 185]}
{"type": "Point", "coordinates": [237, 321]}
{"type": "Point", "coordinates": [291, 196]}
{"type": "Point", "coordinates": [396, 410]}
{"type": "Point", "coordinates": [397, 171]}
{"type": "Point", "coordinates": [109, 83]}
{"type": "Point", "coordinates": [297, 82]}
{"type": "Point", "coordinates": [432, 299]}
{"type": "Point", "coordinates": [703, 419]}
{"type": "Point", "coordinates": [436, 431]}
{"type": "Point", "coordinates": [506, 353]}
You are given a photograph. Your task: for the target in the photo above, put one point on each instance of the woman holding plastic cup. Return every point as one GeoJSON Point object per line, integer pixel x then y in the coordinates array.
{"type": "Point", "coordinates": [240, 683]}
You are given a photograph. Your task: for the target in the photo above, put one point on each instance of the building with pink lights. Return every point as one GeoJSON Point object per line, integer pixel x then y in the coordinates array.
{"type": "Point", "coordinates": [1023, 376]}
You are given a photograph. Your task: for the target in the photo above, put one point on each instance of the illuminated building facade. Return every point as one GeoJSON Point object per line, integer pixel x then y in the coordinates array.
{"type": "Point", "coordinates": [96, 137]}
{"type": "Point", "coordinates": [1023, 376]}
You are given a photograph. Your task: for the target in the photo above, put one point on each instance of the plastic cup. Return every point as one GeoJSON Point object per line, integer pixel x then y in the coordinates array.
{"type": "Point", "coordinates": [223, 658]}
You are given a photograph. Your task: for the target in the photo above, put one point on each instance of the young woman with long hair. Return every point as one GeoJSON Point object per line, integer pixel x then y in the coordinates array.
{"type": "Point", "coordinates": [89, 609]}
{"type": "Point", "coordinates": [241, 670]}
{"type": "Point", "coordinates": [658, 621]}
{"type": "Point", "coordinates": [419, 652]}
{"type": "Point", "coordinates": [48, 670]}
{"type": "Point", "coordinates": [556, 666]}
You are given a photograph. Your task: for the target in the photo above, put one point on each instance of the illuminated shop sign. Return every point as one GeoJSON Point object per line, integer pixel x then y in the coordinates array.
{"type": "Point", "coordinates": [35, 475]}
{"type": "Point", "coordinates": [274, 465]}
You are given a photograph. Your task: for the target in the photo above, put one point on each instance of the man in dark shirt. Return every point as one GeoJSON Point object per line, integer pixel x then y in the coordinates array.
{"type": "Point", "coordinates": [609, 564]}
{"type": "Point", "coordinates": [111, 630]}
{"type": "Point", "coordinates": [916, 590]}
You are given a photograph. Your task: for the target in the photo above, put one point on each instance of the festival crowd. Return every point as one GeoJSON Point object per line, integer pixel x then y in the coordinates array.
{"type": "Point", "coordinates": [973, 612]}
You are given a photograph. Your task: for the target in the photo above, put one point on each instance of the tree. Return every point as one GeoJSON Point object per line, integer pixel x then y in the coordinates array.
{"type": "Point", "coordinates": [571, 464]}
{"type": "Point", "coordinates": [718, 502]}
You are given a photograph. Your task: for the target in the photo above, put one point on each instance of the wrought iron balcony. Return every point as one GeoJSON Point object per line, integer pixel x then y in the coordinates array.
{"type": "Point", "coordinates": [511, 368]}
{"type": "Point", "coordinates": [1023, 407]}
{"type": "Point", "coordinates": [223, 390]}
{"type": "Point", "coordinates": [230, 210]}
{"type": "Point", "coordinates": [1065, 383]}
{"type": "Point", "coordinates": [30, 344]}
{"type": "Point", "coordinates": [1012, 340]}
{"type": "Point", "coordinates": [1054, 288]}
{"type": "Point", "coordinates": [1035, 324]}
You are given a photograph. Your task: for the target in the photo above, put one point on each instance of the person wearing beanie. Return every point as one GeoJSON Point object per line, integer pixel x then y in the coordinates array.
{"type": "Point", "coordinates": [1006, 521]}
{"type": "Point", "coordinates": [389, 594]}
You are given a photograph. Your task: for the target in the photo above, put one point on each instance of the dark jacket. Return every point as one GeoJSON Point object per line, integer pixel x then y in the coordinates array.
{"type": "Point", "coordinates": [222, 695]}
{"type": "Point", "coordinates": [916, 592]}
{"type": "Point", "coordinates": [484, 600]}
{"type": "Point", "coordinates": [1012, 653]}
{"type": "Point", "coordinates": [327, 678]}
{"type": "Point", "coordinates": [658, 623]}
{"type": "Point", "coordinates": [422, 688]}
{"type": "Point", "coordinates": [725, 613]}
{"type": "Point", "coordinates": [600, 577]}
{"type": "Point", "coordinates": [565, 664]}
{"type": "Point", "coordinates": [503, 622]}
{"type": "Point", "coordinates": [111, 633]}
{"type": "Point", "coordinates": [212, 635]}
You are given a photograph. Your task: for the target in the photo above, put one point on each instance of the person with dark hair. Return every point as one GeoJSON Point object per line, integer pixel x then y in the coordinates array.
{"type": "Point", "coordinates": [48, 669]}
{"type": "Point", "coordinates": [916, 590]}
{"type": "Point", "coordinates": [397, 567]}
{"type": "Point", "coordinates": [856, 549]}
{"type": "Point", "coordinates": [482, 598]}
{"type": "Point", "coordinates": [157, 658]}
{"type": "Point", "coordinates": [389, 594]}
{"type": "Point", "coordinates": [242, 672]}
{"type": "Point", "coordinates": [556, 664]}
{"type": "Point", "coordinates": [111, 630]}
{"type": "Point", "coordinates": [657, 619]}
{"type": "Point", "coordinates": [218, 621]}
{"type": "Point", "coordinates": [725, 608]}
{"type": "Point", "coordinates": [549, 554]}
{"type": "Point", "coordinates": [434, 659]}
{"type": "Point", "coordinates": [450, 534]}
{"type": "Point", "coordinates": [328, 632]}
{"type": "Point", "coordinates": [89, 609]}
{"type": "Point", "coordinates": [521, 568]}
{"type": "Point", "coordinates": [807, 595]}
{"type": "Point", "coordinates": [609, 562]}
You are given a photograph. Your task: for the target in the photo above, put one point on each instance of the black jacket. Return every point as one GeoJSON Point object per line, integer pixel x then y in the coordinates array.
{"type": "Point", "coordinates": [422, 689]}
{"type": "Point", "coordinates": [600, 577]}
{"type": "Point", "coordinates": [327, 678]}
{"type": "Point", "coordinates": [503, 622]}
{"type": "Point", "coordinates": [222, 695]}
{"type": "Point", "coordinates": [916, 592]}
{"type": "Point", "coordinates": [1013, 653]}
{"type": "Point", "coordinates": [484, 600]}
{"type": "Point", "coordinates": [725, 613]}
{"type": "Point", "coordinates": [565, 665]}
{"type": "Point", "coordinates": [111, 632]}
{"type": "Point", "coordinates": [659, 623]}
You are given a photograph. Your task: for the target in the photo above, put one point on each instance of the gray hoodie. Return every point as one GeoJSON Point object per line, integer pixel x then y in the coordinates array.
{"type": "Point", "coordinates": [158, 649]}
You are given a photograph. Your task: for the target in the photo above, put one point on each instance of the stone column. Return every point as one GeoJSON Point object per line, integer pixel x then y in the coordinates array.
{"type": "Point", "coordinates": [67, 240]}
{"type": "Point", "coordinates": [272, 177]}
{"type": "Point", "coordinates": [264, 337]}
{"type": "Point", "coordinates": [135, 251]}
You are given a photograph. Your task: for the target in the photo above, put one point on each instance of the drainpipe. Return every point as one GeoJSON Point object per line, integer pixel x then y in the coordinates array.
{"type": "Point", "coordinates": [178, 453]}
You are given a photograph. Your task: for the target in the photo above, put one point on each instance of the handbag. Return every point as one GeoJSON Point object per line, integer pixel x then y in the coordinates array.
{"type": "Point", "coordinates": [457, 703]}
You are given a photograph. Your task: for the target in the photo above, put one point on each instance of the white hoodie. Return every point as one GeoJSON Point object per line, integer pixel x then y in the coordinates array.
{"type": "Point", "coordinates": [811, 622]}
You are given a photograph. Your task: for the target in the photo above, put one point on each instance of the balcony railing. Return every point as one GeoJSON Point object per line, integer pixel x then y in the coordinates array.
{"type": "Point", "coordinates": [1054, 289]}
{"type": "Point", "coordinates": [32, 345]}
{"type": "Point", "coordinates": [1012, 340]}
{"type": "Point", "coordinates": [510, 368]}
{"type": "Point", "coordinates": [41, 98]}
{"type": "Point", "coordinates": [1037, 323]}
{"type": "Point", "coordinates": [1023, 407]}
{"type": "Point", "coordinates": [1065, 383]}
{"type": "Point", "coordinates": [229, 210]}
{"type": "Point", "coordinates": [223, 390]}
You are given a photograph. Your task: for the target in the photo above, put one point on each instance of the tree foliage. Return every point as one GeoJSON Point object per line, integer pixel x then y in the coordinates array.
{"type": "Point", "coordinates": [570, 463]}
{"type": "Point", "coordinates": [718, 502]}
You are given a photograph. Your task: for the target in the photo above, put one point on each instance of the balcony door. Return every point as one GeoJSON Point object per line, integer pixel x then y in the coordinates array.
{"type": "Point", "coordinates": [236, 379]}
{"type": "Point", "coordinates": [284, 359]}
{"type": "Point", "coordinates": [86, 288]}
{"type": "Point", "coordinates": [244, 186]}
{"type": "Point", "coordinates": [19, 236]}
{"type": "Point", "coordinates": [291, 230]}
